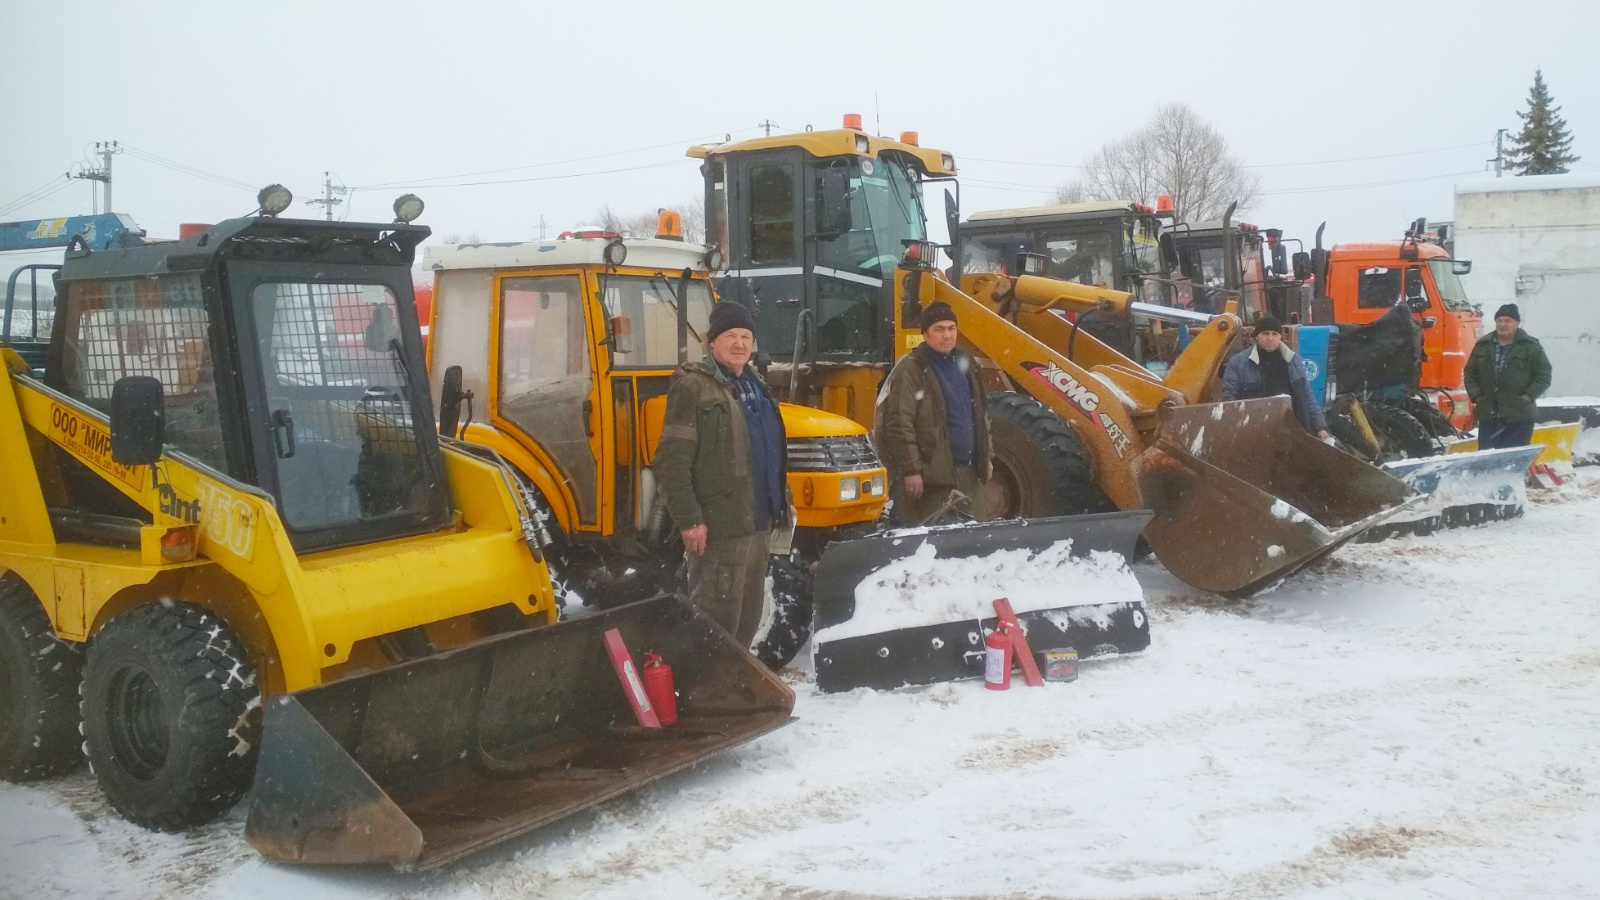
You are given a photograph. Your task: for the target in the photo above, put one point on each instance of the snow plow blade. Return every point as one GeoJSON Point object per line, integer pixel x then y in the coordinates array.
{"type": "Point", "coordinates": [431, 760]}
{"type": "Point", "coordinates": [953, 650]}
{"type": "Point", "coordinates": [845, 563]}
{"type": "Point", "coordinates": [1244, 497]}
{"type": "Point", "coordinates": [1460, 489]}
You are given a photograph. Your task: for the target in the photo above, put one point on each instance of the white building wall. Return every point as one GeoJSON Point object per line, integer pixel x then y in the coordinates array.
{"type": "Point", "coordinates": [1535, 241]}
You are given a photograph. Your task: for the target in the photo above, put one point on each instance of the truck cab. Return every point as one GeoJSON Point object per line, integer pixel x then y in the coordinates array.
{"type": "Point", "coordinates": [1366, 280]}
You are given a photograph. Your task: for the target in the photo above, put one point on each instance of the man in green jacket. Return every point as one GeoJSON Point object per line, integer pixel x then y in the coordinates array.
{"type": "Point", "coordinates": [722, 465]}
{"type": "Point", "coordinates": [1505, 374]}
{"type": "Point", "coordinates": [933, 425]}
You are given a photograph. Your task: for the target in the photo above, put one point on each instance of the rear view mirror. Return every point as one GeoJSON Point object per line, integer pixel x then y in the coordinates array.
{"type": "Point", "coordinates": [1187, 264]}
{"type": "Point", "coordinates": [833, 218]}
{"type": "Point", "coordinates": [1302, 266]}
{"type": "Point", "coordinates": [138, 420]}
{"type": "Point", "coordinates": [952, 217]}
{"type": "Point", "coordinates": [1280, 259]}
{"type": "Point", "coordinates": [1461, 267]}
{"type": "Point", "coordinates": [450, 397]}
{"type": "Point", "coordinates": [1169, 251]}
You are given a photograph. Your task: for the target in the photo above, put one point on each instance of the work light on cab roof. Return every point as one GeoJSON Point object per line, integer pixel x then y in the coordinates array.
{"type": "Point", "coordinates": [274, 199]}
{"type": "Point", "coordinates": [407, 207]}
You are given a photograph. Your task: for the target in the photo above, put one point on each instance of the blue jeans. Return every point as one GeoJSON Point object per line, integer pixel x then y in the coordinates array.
{"type": "Point", "coordinates": [1494, 434]}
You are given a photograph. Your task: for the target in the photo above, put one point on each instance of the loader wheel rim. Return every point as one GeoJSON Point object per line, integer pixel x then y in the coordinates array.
{"type": "Point", "coordinates": [137, 723]}
{"type": "Point", "coordinates": [1002, 496]}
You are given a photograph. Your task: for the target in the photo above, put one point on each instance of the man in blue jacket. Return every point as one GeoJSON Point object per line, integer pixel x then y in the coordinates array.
{"type": "Point", "coordinates": [1270, 369]}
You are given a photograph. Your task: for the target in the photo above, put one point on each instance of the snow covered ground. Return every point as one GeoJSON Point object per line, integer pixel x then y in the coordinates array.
{"type": "Point", "coordinates": [1416, 718]}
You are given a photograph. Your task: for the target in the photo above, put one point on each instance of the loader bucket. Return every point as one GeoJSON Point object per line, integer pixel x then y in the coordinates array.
{"type": "Point", "coordinates": [431, 760]}
{"type": "Point", "coordinates": [1243, 496]}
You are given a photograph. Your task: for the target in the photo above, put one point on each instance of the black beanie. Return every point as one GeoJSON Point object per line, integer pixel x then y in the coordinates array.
{"type": "Point", "coordinates": [937, 311]}
{"type": "Point", "coordinates": [728, 314]}
{"type": "Point", "coordinates": [1268, 323]}
{"type": "Point", "coordinates": [1510, 309]}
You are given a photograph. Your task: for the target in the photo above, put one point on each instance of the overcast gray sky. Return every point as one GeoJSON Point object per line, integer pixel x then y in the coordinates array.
{"type": "Point", "coordinates": [594, 103]}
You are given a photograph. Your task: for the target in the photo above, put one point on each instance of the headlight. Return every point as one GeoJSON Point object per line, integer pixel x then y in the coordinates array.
{"type": "Point", "coordinates": [849, 489]}
{"type": "Point", "coordinates": [407, 207]}
{"type": "Point", "coordinates": [875, 485]}
{"type": "Point", "coordinates": [274, 199]}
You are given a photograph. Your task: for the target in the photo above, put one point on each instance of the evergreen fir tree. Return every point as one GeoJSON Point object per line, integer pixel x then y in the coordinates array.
{"type": "Point", "coordinates": [1544, 147]}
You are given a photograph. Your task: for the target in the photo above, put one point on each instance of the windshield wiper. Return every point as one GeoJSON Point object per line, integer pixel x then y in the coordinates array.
{"type": "Point", "coordinates": [674, 301]}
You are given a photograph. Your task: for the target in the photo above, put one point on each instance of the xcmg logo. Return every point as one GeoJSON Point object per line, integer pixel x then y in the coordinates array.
{"type": "Point", "coordinates": [1070, 387]}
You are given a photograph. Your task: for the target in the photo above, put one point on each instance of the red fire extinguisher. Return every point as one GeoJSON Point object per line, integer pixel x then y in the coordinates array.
{"type": "Point", "coordinates": [658, 687]}
{"type": "Point", "coordinates": [997, 660]}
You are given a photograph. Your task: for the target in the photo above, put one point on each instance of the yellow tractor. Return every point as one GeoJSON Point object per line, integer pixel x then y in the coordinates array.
{"type": "Point", "coordinates": [234, 550]}
{"type": "Point", "coordinates": [558, 356]}
{"type": "Point", "coordinates": [823, 235]}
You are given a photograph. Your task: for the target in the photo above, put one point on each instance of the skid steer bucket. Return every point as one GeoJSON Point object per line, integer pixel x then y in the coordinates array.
{"type": "Point", "coordinates": [1243, 496]}
{"type": "Point", "coordinates": [910, 653]}
{"type": "Point", "coordinates": [428, 761]}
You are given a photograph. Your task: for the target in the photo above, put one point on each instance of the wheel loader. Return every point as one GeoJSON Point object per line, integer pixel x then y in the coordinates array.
{"type": "Point", "coordinates": [559, 354]}
{"type": "Point", "coordinates": [823, 235]}
{"type": "Point", "coordinates": [236, 554]}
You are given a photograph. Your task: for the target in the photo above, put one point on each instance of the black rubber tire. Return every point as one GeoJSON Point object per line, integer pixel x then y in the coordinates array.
{"type": "Point", "coordinates": [1399, 433]}
{"type": "Point", "coordinates": [39, 675]}
{"type": "Point", "coordinates": [171, 715]}
{"type": "Point", "coordinates": [789, 606]}
{"type": "Point", "coordinates": [1040, 466]}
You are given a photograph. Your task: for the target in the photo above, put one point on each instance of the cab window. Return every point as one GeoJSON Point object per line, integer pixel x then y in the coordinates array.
{"type": "Point", "coordinates": [772, 210]}
{"type": "Point", "coordinates": [644, 319]}
{"type": "Point", "coordinates": [156, 326]}
{"type": "Point", "coordinates": [541, 333]}
{"type": "Point", "coordinates": [1088, 258]}
{"type": "Point", "coordinates": [1379, 288]}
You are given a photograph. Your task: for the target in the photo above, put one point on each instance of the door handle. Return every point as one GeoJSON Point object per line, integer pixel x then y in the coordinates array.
{"type": "Point", "coordinates": [588, 416]}
{"type": "Point", "coordinates": [283, 424]}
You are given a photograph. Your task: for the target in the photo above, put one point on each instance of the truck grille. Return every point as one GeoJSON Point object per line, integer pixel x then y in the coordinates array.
{"type": "Point", "coordinates": [831, 454]}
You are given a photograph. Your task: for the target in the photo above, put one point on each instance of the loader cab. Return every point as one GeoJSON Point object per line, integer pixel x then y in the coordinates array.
{"type": "Point", "coordinates": [817, 223]}
{"type": "Point", "coordinates": [288, 356]}
{"type": "Point", "coordinates": [1114, 244]}
{"type": "Point", "coordinates": [1206, 242]}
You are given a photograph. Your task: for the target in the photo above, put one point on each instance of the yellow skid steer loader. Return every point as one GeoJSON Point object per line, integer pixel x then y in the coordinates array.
{"type": "Point", "coordinates": [229, 521]}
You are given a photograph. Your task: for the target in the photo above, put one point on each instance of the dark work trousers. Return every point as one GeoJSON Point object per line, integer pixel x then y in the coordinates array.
{"type": "Point", "coordinates": [729, 583]}
{"type": "Point", "coordinates": [909, 511]}
{"type": "Point", "coordinates": [1496, 433]}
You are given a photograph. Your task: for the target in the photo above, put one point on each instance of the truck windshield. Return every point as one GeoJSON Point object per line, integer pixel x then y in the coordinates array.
{"type": "Point", "coordinates": [1449, 284]}
{"type": "Point", "coordinates": [885, 211]}
{"type": "Point", "coordinates": [644, 319]}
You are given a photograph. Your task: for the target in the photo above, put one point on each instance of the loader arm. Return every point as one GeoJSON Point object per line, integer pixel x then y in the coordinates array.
{"type": "Point", "coordinates": [1064, 387]}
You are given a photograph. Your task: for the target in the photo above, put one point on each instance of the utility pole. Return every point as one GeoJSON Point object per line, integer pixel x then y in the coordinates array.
{"type": "Point", "coordinates": [105, 150]}
{"type": "Point", "coordinates": [768, 125]}
{"type": "Point", "coordinates": [328, 201]}
{"type": "Point", "coordinates": [1499, 152]}
{"type": "Point", "coordinates": [543, 228]}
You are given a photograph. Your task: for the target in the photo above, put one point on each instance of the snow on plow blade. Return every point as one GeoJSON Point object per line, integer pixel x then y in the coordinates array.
{"type": "Point", "coordinates": [953, 650]}
{"type": "Point", "coordinates": [1460, 489]}
{"type": "Point", "coordinates": [432, 760]}
{"type": "Point", "coordinates": [1243, 496]}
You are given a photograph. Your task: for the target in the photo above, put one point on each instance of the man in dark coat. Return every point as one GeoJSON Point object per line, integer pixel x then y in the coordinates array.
{"type": "Point", "coordinates": [722, 466]}
{"type": "Point", "coordinates": [933, 424]}
{"type": "Point", "coordinates": [1270, 369]}
{"type": "Point", "coordinates": [1505, 374]}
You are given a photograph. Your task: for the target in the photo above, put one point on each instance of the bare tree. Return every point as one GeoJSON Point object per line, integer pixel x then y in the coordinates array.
{"type": "Point", "coordinates": [643, 224]}
{"type": "Point", "coordinates": [1175, 153]}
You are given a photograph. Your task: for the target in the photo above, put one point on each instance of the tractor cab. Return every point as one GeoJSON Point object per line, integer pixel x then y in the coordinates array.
{"type": "Point", "coordinates": [287, 356]}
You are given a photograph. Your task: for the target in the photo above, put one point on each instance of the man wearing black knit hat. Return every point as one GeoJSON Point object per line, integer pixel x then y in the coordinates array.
{"type": "Point", "coordinates": [1505, 374]}
{"type": "Point", "coordinates": [721, 465]}
{"type": "Point", "coordinates": [933, 425]}
{"type": "Point", "coordinates": [1271, 369]}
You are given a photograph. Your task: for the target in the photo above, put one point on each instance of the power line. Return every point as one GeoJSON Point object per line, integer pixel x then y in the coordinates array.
{"type": "Point", "coordinates": [1344, 187]}
{"type": "Point", "coordinates": [673, 162]}
{"type": "Point", "coordinates": [1320, 162]}
{"type": "Point", "coordinates": [54, 186]}
{"type": "Point", "coordinates": [421, 182]}
{"type": "Point", "coordinates": [186, 169]}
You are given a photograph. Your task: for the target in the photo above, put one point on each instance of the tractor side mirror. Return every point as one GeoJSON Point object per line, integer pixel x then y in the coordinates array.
{"type": "Point", "coordinates": [1169, 251]}
{"type": "Point", "coordinates": [1029, 264]}
{"type": "Point", "coordinates": [834, 216]}
{"type": "Point", "coordinates": [1280, 259]}
{"type": "Point", "coordinates": [952, 217]}
{"type": "Point", "coordinates": [1187, 264]}
{"type": "Point", "coordinates": [450, 397]}
{"type": "Point", "coordinates": [1302, 266]}
{"type": "Point", "coordinates": [138, 420]}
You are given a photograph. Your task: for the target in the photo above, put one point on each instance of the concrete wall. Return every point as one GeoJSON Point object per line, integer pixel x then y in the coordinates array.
{"type": "Point", "coordinates": [1535, 241]}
